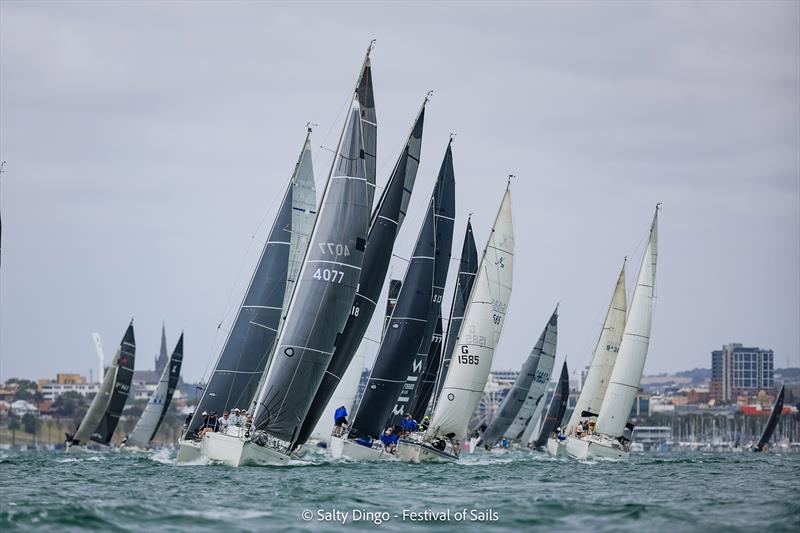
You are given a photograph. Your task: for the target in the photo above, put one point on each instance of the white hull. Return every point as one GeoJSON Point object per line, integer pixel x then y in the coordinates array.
{"type": "Point", "coordinates": [415, 452]}
{"type": "Point", "coordinates": [236, 451]}
{"type": "Point", "coordinates": [556, 448]}
{"type": "Point", "coordinates": [188, 451]}
{"type": "Point", "coordinates": [340, 447]}
{"type": "Point", "coordinates": [595, 446]}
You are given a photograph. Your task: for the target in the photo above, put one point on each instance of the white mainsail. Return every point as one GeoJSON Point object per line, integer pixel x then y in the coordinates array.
{"type": "Point", "coordinates": [605, 354]}
{"type": "Point", "coordinates": [532, 429]}
{"type": "Point", "coordinates": [627, 373]}
{"type": "Point", "coordinates": [480, 332]}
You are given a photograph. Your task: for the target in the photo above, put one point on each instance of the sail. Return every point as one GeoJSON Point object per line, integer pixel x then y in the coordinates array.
{"type": "Point", "coordinates": [624, 381]}
{"type": "Point", "coordinates": [772, 423]}
{"type": "Point", "coordinates": [383, 231]}
{"type": "Point", "coordinates": [391, 301]}
{"type": "Point", "coordinates": [481, 329]}
{"type": "Point", "coordinates": [605, 354]}
{"type": "Point", "coordinates": [344, 396]}
{"type": "Point", "coordinates": [535, 422]}
{"type": "Point", "coordinates": [402, 336]}
{"type": "Point", "coordinates": [103, 415]}
{"type": "Point", "coordinates": [158, 405]}
{"type": "Point", "coordinates": [432, 365]}
{"type": "Point", "coordinates": [444, 216]}
{"type": "Point", "coordinates": [467, 269]}
{"type": "Point", "coordinates": [324, 293]}
{"type": "Point", "coordinates": [528, 389]}
{"type": "Point", "coordinates": [555, 412]}
{"type": "Point", "coordinates": [365, 95]}
{"type": "Point", "coordinates": [251, 340]}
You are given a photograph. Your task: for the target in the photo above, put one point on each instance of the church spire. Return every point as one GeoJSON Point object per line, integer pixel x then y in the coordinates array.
{"type": "Point", "coordinates": [162, 359]}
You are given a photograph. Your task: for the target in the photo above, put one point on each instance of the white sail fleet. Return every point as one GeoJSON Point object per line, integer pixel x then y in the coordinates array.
{"type": "Point", "coordinates": [294, 353]}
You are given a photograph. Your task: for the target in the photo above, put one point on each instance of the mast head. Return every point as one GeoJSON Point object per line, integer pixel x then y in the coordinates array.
{"type": "Point", "coordinates": [452, 137]}
{"type": "Point", "coordinates": [310, 126]}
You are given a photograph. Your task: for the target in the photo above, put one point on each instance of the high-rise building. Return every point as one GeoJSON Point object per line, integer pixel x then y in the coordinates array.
{"type": "Point", "coordinates": [738, 370]}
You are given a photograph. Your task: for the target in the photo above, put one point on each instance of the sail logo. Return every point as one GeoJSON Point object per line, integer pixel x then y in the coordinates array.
{"type": "Point", "coordinates": [500, 262]}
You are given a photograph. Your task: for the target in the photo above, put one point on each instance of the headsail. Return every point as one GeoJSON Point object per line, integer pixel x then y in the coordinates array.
{"type": "Point", "coordinates": [324, 292]}
{"type": "Point", "coordinates": [555, 412]}
{"type": "Point", "coordinates": [251, 340]}
{"type": "Point", "coordinates": [774, 416]}
{"type": "Point", "coordinates": [103, 415]}
{"type": "Point", "coordinates": [382, 234]}
{"type": "Point", "coordinates": [624, 382]}
{"type": "Point", "coordinates": [467, 270]}
{"type": "Point", "coordinates": [481, 329]}
{"type": "Point", "coordinates": [428, 379]}
{"type": "Point", "coordinates": [605, 354]}
{"type": "Point", "coordinates": [444, 216]}
{"type": "Point", "coordinates": [158, 405]}
{"type": "Point", "coordinates": [528, 390]}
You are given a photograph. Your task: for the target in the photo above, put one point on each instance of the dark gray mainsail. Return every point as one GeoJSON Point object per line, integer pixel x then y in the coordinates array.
{"type": "Point", "coordinates": [383, 231]}
{"type": "Point", "coordinates": [369, 123]}
{"type": "Point", "coordinates": [158, 405]}
{"type": "Point", "coordinates": [769, 429]}
{"type": "Point", "coordinates": [444, 216]}
{"type": "Point", "coordinates": [555, 412]}
{"type": "Point", "coordinates": [244, 356]}
{"type": "Point", "coordinates": [391, 301]}
{"type": "Point", "coordinates": [402, 336]}
{"type": "Point", "coordinates": [428, 380]}
{"type": "Point", "coordinates": [467, 269]}
{"type": "Point", "coordinates": [103, 415]}
{"type": "Point", "coordinates": [323, 295]}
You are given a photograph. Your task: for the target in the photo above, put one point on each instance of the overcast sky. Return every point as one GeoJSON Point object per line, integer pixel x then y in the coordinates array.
{"type": "Point", "coordinates": [146, 143]}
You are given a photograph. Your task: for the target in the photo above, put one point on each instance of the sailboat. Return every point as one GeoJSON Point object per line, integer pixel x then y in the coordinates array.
{"type": "Point", "coordinates": [555, 413]}
{"type": "Point", "coordinates": [250, 343]}
{"type": "Point", "coordinates": [399, 348]}
{"type": "Point", "coordinates": [472, 357]}
{"type": "Point", "coordinates": [322, 300]}
{"type": "Point", "coordinates": [344, 396]}
{"type": "Point", "coordinates": [384, 227]}
{"type": "Point", "coordinates": [528, 390]}
{"type": "Point", "coordinates": [609, 438]}
{"type": "Point", "coordinates": [602, 364]}
{"type": "Point", "coordinates": [158, 404]}
{"type": "Point", "coordinates": [101, 419]}
{"type": "Point", "coordinates": [772, 423]}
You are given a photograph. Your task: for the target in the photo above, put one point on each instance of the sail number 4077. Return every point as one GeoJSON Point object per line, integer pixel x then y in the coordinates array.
{"type": "Point", "coordinates": [329, 274]}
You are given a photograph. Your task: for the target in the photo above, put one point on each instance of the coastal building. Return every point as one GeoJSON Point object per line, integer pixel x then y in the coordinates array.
{"type": "Point", "coordinates": [52, 389]}
{"type": "Point", "coordinates": [737, 370]}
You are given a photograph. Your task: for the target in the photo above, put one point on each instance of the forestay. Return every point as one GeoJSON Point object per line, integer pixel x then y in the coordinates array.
{"type": "Point", "coordinates": [481, 329]}
{"type": "Point", "coordinates": [624, 382]}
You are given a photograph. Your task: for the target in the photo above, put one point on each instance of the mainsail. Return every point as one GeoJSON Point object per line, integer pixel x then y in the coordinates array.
{"type": "Point", "coordinates": [605, 354]}
{"type": "Point", "coordinates": [402, 335]}
{"type": "Point", "coordinates": [365, 95]}
{"type": "Point", "coordinates": [156, 408]}
{"type": "Point", "coordinates": [428, 380]}
{"type": "Point", "coordinates": [103, 415]}
{"type": "Point", "coordinates": [324, 292]}
{"type": "Point", "coordinates": [467, 269]}
{"type": "Point", "coordinates": [444, 216]}
{"type": "Point", "coordinates": [383, 231]}
{"type": "Point", "coordinates": [481, 329]}
{"type": "Point", "coordinates": [519, 404]}
{"type": "Point", "coordinates": [772, 423]}
{"type": "Point", "coordinates": [624, 382]}
{"type": "Point", "coordinates": [558, 405]}
{"type": "Point", "coordinates": [532, 429]}
{"type": "Point", "coordinates": [251, 340]}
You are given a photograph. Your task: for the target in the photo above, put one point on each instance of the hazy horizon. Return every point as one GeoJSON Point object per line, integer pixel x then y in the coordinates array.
{"type": "Point", "coordinates": [146, 143]}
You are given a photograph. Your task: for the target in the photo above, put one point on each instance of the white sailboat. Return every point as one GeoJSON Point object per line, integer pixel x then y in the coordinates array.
{"type": "Point", "coordinates": [608, 438]}
{"type": "Point", "coordinates": [473, 353]}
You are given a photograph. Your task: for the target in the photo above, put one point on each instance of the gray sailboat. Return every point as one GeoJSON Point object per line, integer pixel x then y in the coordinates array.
{"type": "Point", "coordinates": [101, 419]}
{"type": "Point", "coordinates": [772, 423]}
{"type": "Point", "coordinates": [556, 410]}
{"type": "Point", "coordinates": [384, 227]}
{"type": "Point", "coordinates": [158, 404]}
{"type": "Point", "coordinates": [251, 340]}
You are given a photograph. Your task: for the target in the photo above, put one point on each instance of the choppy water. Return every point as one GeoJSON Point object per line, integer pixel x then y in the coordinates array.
{"type": "Point", "coordinates": [148, 492]}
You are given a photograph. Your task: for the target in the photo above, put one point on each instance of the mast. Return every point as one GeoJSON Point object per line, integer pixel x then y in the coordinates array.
{"type": "Point", "coordinates": [624, 381]}
{"type": "Point", "coordinates": [483, 323]}
{"type": "Point", "coordinates": [604, 355]}
{"type": "Point", "coordinates": [384, 226]}
{"type": "Point", "coordinates": [519, 404]}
